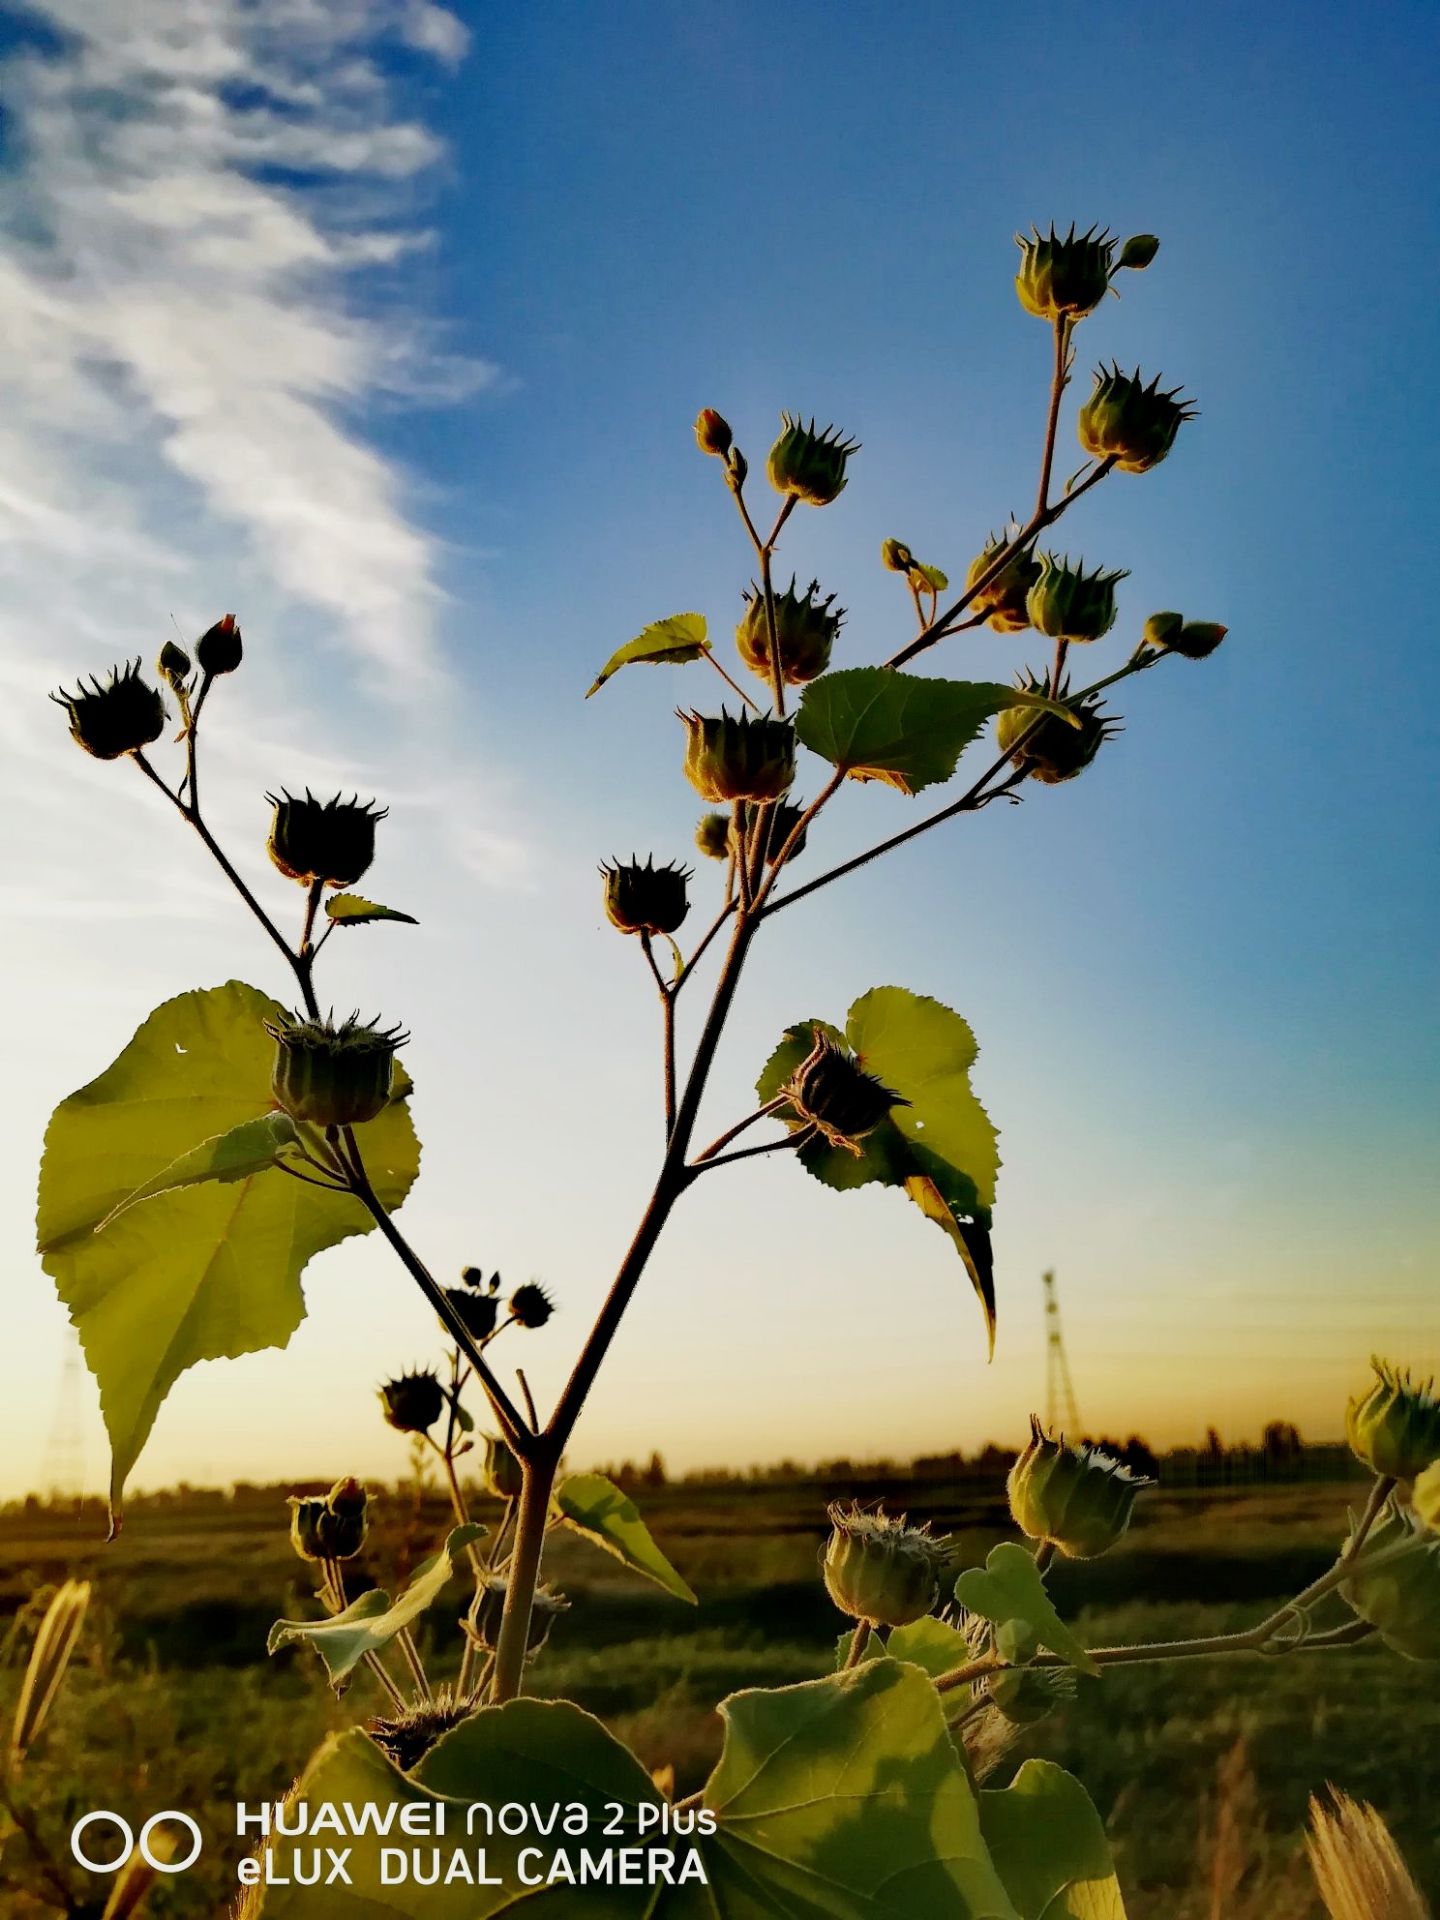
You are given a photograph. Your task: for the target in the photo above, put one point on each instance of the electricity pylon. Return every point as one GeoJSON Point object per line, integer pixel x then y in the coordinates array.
{"type": "Point", "coordinates": [62, 1473]}
{"type": "Point", "coordinates": [1061, 1413]}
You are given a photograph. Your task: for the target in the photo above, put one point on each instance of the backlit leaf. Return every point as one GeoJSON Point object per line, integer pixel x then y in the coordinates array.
{"type": "Point", "coordinates": [1049, 1845]}
{"type": "Point", "coordinates": [1009, 1588]}
{"type": "Point", "coordinates": [675, 640]}
{"type": "Point", "coordinates": [349, 910]}
{"type": "Point", "coordinates": [596, 1508]}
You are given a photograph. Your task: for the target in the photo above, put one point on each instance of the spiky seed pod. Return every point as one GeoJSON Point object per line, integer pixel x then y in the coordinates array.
{"type": "Point", "coordinates": [329, 1527]}
{"type": "Point", "coordinates": [1079, 1498]}
{"type": "Point", "coordinates": [879, 1569]}
{"type": "Point", "coordinates": [804, 627]}
{"type": "Point", "coordinates": [646, 899]}
{"type": "Point", "coordinates": [531, 1305]}
{"type": "Point", "coordinates": [173, 665]}
{"type": "Point", "coordinates": [712, 835]}
{"type": "Point", "coordinates": [832, 1092]}
{"type": "Point", "coordinates": [1003, 601]}
{"type": "Point", "coordinates": [1394, 1426]}
{"type": "Point", "coordinates": [121, 717]}
{"type": "Point", "coordinates": [895, 555]}
{"type": "Point", "coordinates": [712, 432]}
{"type": "Point", "coordinates": [784, 818]}
{"type": "Point", "coordinates": [1064, 279]}
{"type": "Point", "coordinates": [809, 464]}
{"type": "Point", "coordinates": [482, 1623]}
{"type": "Point", "coordinates": [333, 1076]}
{"type": "Point", "coordinates": [219, 650]}
{"type": "Point", "coordinates": [1066, 603]}
{"type": "Point", "coordinates": [333, 840]}
{"type": "Point", "coordinates": [1027, 1695]}
{"type": "Point", "coordinates": [410, 1735]}
{"type": "Point", "coordinates": [413, 1402]}
{"type": "Point", "coordinates": [501, 1474]}
{"type": "Point", "coordinates": [1131, 423]}
{"type": "Point", "coordinates": [749, 758]}
{"type": "Point", "coordinates": [1399, 1597]}
{"type": "Point", "coordinates": [1054, 751]}
{"type": "Point", "coordinates": [476, 1312]}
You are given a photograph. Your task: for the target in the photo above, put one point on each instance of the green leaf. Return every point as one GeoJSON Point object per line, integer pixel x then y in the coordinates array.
{"type": "Point", "coordinates": [930, 1643]}
{"type": "Point", "coordinates": [1049, 1845]}
{"type": "Point", "coordinates": [844, 1797]}
{"type": "Point", "coordinates": [941, 1149]}
{"type": "Point", "coordinates": [246, 1149]}
{"type": "Point", "coordinates": [1009, 1588]}
{"type": "Point", "coordinates": [201, 1272]}
{"type": "Point", "coordinates": [876, 723]}
{"type": "Point", "coordinates": [349, 910]}
{"type": "Point", "coordinates": [874, 1649]}
{"type": "Point", "coordinates": [678, 638]}
{"type": "Point", "coordinates": [596, 1508]}
{"type": "Point", "coordinates": [932, 576]}
{"type": "Point", "coordinates": [372, 1622]}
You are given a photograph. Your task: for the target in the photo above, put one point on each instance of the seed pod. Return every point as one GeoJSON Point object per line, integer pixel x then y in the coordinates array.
{"type": "Point", "coordinates": [809, 464]}
{"type": "Point", "coordinates": [332, 1527]}
{"type": "Point", "coordinates": [413, 1402]}
{"type": "Point", "coordinates": [1079, 1498]}
{"type": "Point", "coordinates": [712, 432]}
{"type": "Point", "coordinates": [1027, 1695]}
{"type": "Point", "coordinates": [804, 627]}
{"type": "Point", "coordinates": [879, 1569]}
{"type": "Point", "coordinates": [501, 1474]}
{"type": "Point", "coordinates": [1066, 603]}
{"type": "Point", "coordinates": [1394, 1426]}
{"type": "Point", "coordinates": [895, 555]}
{"type": "Point", "coordinates": [1063, 279]}
{"type": "Point", "coordinates": [832, 1092]}
{"type": "Point", "coordinates": [121, 717]}
{"type": "Point", "coordinates": [482, 1623]}
{"type": "Point", "coordinates": [173, 665]}
{"type": "Point", "coordinates": [333, 841]}
{"type": "Point", "coordinates": [1053, 751]}
{"type": "Point", "coordinates": [646, 899]}
{"type": "Point", "coordinates": [712, 835]}
{"type": "Point", "coordinates": [410, 1735]}
{"type": "Point", "coordinates": [1003, 601]}
{"type": "Point", "coordinates": [307, 1520]}
{"type": "Point", "coordinates": [332, 1076]}
{"type": "Point", "coordinates": [531, 1305]}
{"type": "Point", "coordinates": [738, 759]}
{"type": "Point", "coordinates": [1131, 423]}
{"type": "Point", "coordinates": [218, 650]}
{"type": "Point", "coordinates": [1401, 1599]}
{"type": "Point", "coordinates": [476, 1312]}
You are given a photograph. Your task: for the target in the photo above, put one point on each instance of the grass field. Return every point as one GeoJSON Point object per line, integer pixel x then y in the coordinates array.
{"type": "Point", "coordinates": [1202, 1770]}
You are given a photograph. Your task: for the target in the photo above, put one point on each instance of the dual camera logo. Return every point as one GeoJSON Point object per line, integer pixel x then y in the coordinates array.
{"type": "Point", "coordinates": [159, 1857]}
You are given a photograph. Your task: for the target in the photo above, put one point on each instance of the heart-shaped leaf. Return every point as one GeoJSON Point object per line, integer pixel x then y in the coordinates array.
{"type": "Point", "coordinates": [1008, 1588]}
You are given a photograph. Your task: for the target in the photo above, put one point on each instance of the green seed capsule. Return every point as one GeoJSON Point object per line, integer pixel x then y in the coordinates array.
{"type": "Point", "coordinates": [749, 758]}
{"type": "Point", "coordinates": [1063, 279]}
{"type": "Point", "coordinates": [1078, 1498]}
{"type": "Point", "coordinates": [879, 1569]}
{"type": "Point", "coordinates": [332, 1076]}
{"type": "Point", "coordinates": [1400, 1596]}
{"type": "Point", "coordinates": [645, 899]}
{"type": "Point", "coordinates": [805, 629]}
{"type": "Point", "coordinates": [1394, 1426]}
{"type": "Point", "coordinates": [807, 464]}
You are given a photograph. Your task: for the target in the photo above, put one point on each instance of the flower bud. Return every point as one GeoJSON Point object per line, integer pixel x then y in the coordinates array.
{"type": "Point", "coordinates": [1394, 1426]}
{"type": "Point", "coordinates": [531, 1305]}
{"type": "Point", "coordinates": [1131, 423]}
{"type": "Point", "coordinates": [1027, 1695]}
{"type": "Point", "coordinates": [832, 1092]}
{"type": "Point", "coordinates": [476, 1312]}
{"type": "Point", "coordinates": [501, 1474]}
{"type": "Point", "coordinates": [1053, 751]}
{"type": "Point", "coordinates": [333, 841]}
{"type": "Point", "coordinates": [121, 717]}
{"type": "Point", "coordinates": [343, 1529]}
{"type": "Point", "coordinates": [737, 470]}
{"type": "Point", "coordinates": [805, 629]}
{"type": "Point", "coordinates": [879, 1569]}
{"type": "Point", "coordinates": [712, 836]}
{"type": "Point", "coordinates": [1161, 629]}
{"type": "Point", "coordinates": [896, 556]}
{"type": "Point", "coordinates": [1197, 639]}
{"type": "Point", "coordinates": [1138, 251]}
{"type": "Point", "coordinates": [1066, 603]}
{"type": "Point", "coordinates": [173, 665]}
{"type": "Point", "coordinates": [307, 1521]}
{"type": "Point", "coordinates": [1063, 279]}
{"type": "Point", "coordinates": [1079, 1498]}
{"type": "Point", "coordinates": [482, 1623]}
{"type": "Point", "coordinates": [646, 899]}
{"type": "Point", "coordinates": [749, 758]}
{"type": "Point", "coordinates": [1004, 599]}
{"type": "Point", "coordinates": [413, 1402]}
{"type": "Point", "coordinates": [712, 432]}
{"type": "Point", "coordinates": [809, 464]}
{"type": "Point", "coordinates": [332, 1076]}
{"type": "Point", "coordinates": [218, 650]}
{"type": "Point", "coordinates": [1400, 1597]}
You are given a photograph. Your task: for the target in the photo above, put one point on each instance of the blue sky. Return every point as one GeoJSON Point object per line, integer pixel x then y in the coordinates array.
{"type": "Point", "coordinates": [403, 371]}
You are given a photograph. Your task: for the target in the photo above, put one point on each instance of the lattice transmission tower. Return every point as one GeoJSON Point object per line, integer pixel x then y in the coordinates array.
{"type": "Point", "coordinates": [62, 1471]}
{"type": "Point", "coordinates": [1061, 1413]}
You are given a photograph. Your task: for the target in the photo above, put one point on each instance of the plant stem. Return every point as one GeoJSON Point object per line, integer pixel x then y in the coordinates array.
{"type": "Point", "coordinates": [859, 1640]}
{"type": "Point", "coordinates": [1058, 382]}
{"type": "Point", "coordinates": [734, 685]}
{"type": "Point", "coordinates": [800, 1138]}
{"type": "Point", "coordinates": [733, 1133]}
{"type": "Point", "coordinates": [667, 1039]}
{"type": "Point", "coordinates": [406, 1642]}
